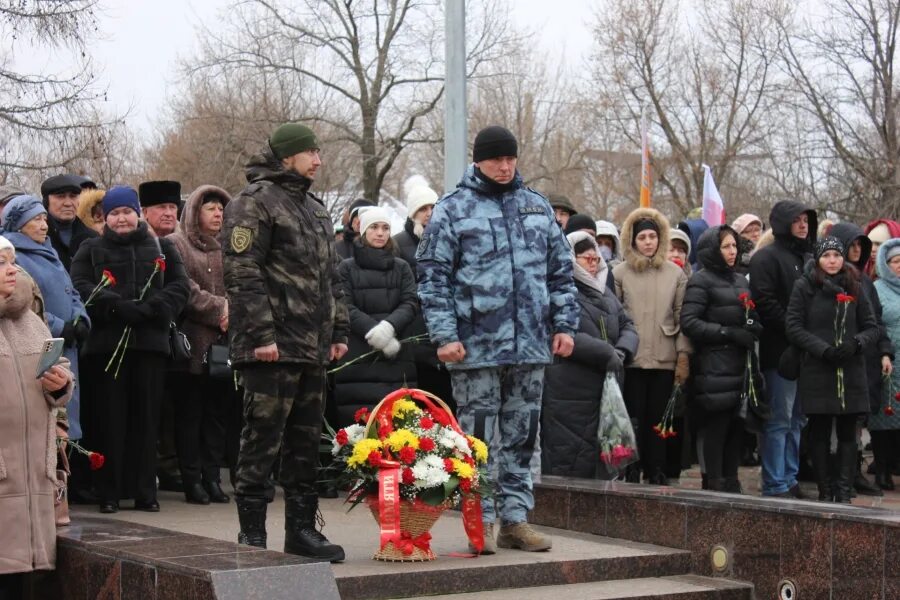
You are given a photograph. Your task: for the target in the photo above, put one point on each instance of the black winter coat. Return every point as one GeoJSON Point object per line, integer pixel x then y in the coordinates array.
{"type": "Point", "coordinates": [377, 286]}
{"type": "Point", "coordinates": [773, 272]}
{"type": "Point", "coordinates": [848, 233]}
{"type": "Point", "coordinates": [130, 258]}
{"type": "Point", "coordinates": [406, 242]}
{"type": "Point", "coordinates": [811, 327]}
{"type": "Point", "coordinates": [573, 386]}
{"type": "Point", "coordinates": [80, 234]}
{"type": "Point", "coordinates": [712, 303]}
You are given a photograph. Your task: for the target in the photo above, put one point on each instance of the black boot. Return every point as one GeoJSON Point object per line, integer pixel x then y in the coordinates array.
{"type": "Point", "coordinates": [846, 468]}
{"type": "Point", "coordinates": [818, 454]}
{"type": "Point", "coordinates": [300, 534]}
{"type": "Point", "coordinates": [252, 516]}
{"type": "Point", "coordinates": [715, 484]}
{"type": "Point", "coordinates": [733, 485]}
{"type": "Point", "coordinates": [216, 493]}
{"type": "Point", "coordinates": [861, 484]}
{"type": "Point", "coordinates": [704, 481]}
{"type": "Point", "coordinates": [195, 494]}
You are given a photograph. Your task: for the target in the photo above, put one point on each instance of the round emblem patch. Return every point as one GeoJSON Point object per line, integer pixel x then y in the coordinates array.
{"type": "Point", "coordinates": [241, 238]}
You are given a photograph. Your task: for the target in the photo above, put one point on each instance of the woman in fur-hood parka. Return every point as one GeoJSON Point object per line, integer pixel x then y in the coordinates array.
{"type": "Point", "coordinates": [651, 289]}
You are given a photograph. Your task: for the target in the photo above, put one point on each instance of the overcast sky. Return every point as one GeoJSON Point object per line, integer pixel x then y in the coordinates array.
{"type": "Point", "coordinates": [141, 40]}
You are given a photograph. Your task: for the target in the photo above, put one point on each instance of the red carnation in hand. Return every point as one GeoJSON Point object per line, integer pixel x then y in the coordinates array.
{"type": "Point", "coordinates": [426, 444]}
{"type": "Point", "coordinates": [109, 277]}
{"type": "Point", "coordinates": [744, 296]}
{"type": "Point", "coordinates": [448, 465]}
{"type": "Point", "coordinates": [160, 263]}
{"type": "Point", "coordinates": [341, 437]}
{"type": "Point", "coordinates": [407, 455]}
{"type": "Point", "coordinates": [845, 298]}
{"type": "Point", "coordinates": [426, 423]}
{"type": "Point", "coordinates": [407, 477]}
{"type": "Point", "coordinates": [96, 460]}
{"type": "Point", "coordinates": [362, 415]}
{"type": "Point", "coordinates": [889, 410]}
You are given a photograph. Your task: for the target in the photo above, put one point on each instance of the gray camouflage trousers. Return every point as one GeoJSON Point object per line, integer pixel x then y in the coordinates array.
{"type": "Point", "coordinates": [504, 400]}
{"type": "Point", "coordinates": [283, 413]}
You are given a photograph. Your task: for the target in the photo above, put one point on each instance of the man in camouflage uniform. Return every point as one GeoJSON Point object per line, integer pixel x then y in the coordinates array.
{"type": "Point", "coordinates": [287, 322]}
{"type": "Point", "coordinates": [498, 295]}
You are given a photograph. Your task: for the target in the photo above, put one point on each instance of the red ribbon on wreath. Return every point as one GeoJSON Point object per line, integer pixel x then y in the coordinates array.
{"type": "Point", "coordinates": [406, 542]}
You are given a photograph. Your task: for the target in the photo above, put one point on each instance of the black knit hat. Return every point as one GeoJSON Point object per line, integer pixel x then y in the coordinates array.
{"type": "Point", "coordinates": [153, 193]}
{"type": "Point", "coordinates": [493, 142]}
{"type": "Point", "coordinates": [579, 222]}
{"type": "Point", "coordinates": [829, 243]}
{"type": "Point", "coordinates": [356, 205]}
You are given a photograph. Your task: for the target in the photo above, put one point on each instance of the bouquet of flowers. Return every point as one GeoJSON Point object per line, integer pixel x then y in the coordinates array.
{"type": "Point", "coordinates": [615, 435]}
{"type": "Point", "coordinates": [666, 426]}
{"type": "Point", "coordinates": [408, 459]}
{"type": "Point", "coordinates": [889, 395]}
{"type": "Point", "coordinates": [751, 394]}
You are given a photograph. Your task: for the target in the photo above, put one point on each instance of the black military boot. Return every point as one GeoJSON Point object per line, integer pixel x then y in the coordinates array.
{"type": "Point", "coordinates": [300, 534]}
{"type": "Point", "coordinates": [846, 468]}
{"type": "Point", "coordinates": [252, 516]}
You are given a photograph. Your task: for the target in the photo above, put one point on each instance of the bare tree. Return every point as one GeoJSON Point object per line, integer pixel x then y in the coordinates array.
{"type": "Point", "coordinates": [842, 66]}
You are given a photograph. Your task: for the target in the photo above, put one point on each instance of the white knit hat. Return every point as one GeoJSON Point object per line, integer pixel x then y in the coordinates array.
{"type": "Point", "coordinates": [418, 198]}
{"type": "Point", "coordinates": [5, 244]}
{"type": "Point", "coordinates": [369, 215]}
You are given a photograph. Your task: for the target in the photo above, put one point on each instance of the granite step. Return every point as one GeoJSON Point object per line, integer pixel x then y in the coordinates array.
{"type": "Point", "coordinates": [676, 587]}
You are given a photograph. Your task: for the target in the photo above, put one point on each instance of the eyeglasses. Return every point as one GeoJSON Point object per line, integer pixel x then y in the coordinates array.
{"type": "Point", "coordinates": [591, 260]}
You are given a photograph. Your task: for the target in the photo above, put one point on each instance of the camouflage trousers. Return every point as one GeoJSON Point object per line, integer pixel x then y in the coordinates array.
{"type": "Point", "coordinates": [283, 414]}
{"type": "Point", "coordinates": [504, 401]}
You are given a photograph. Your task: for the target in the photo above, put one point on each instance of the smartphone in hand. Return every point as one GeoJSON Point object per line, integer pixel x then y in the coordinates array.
{"type": "Point", "coordinates": [50, 354]}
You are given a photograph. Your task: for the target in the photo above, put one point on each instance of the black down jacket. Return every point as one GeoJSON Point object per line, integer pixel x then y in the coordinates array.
{"type": "Point", "coordinates": [424, 352]}
{"type": "Point", "coordinates": [848, 233]}
{"type": "Point", "coordinates": [712, 303]}
{"type": "Point", "coordinates": [573, 386]}
{"type": "Point", "coordinates": [773, 271]}
{"type": "Point", "coordinates": [377, 286]}
{"type": "Point", "coordinates": [130, 258]}
{"type": "Point", "coordinates": [811, 317]}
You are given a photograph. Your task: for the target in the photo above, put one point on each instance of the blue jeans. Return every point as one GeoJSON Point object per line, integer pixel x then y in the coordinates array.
{"type": "Point", "coordinates": [779, 443]}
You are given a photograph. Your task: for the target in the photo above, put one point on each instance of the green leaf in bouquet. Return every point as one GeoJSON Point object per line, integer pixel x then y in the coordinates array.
{"type": "Point", "coordinates": [433, 496]}
{"type": "Point", "coordinates": [450, 485]}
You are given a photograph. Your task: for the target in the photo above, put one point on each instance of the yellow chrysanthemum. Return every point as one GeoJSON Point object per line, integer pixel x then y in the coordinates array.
{"type": "Point", "coordinates": [479, 449]}
{"type": "Point", "coordinates": [361, 452]}
{"type": "Point", "coordinates": [464, 470]}
{"type": "Point", "coordinates": [400, 438]}
{"type": "Point", "coordinates": [404, 407]}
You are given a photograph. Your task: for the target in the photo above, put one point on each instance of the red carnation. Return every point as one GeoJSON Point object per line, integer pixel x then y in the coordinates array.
{"type": "Point", "coordinates": [465, 485]}
{"type": "Point", "coordinates": [361, 416]}
{"type": "Point", "coordinates": [897, 396]}
{"type": "Point", "coordinates": [889, 410]}
{"type": "Point", "coordinates": [341, 437]}
{"type": "Point", "coordinates": [160, 264]}
{"type": "Point", "coordinates": [109, 277]}
{"type": "Point", "coordinates": [743, 296]}
{"type": "Point", "coordinates": [97, 460]}
{"type": "Point", "coordinates": [845, 298]}
{"type": "Point", "coordinates": [407, 455]}
{"type": "Point", "coordinates": [426, 423]}
{"type": "Point", "coordinates": [448, 465]}
{"type": "Point", "coordinates": [407, 477]}
{"type": "Point", "coordinates": [426, 444]}
{"type": "Point", "coordinates": [375, 458]}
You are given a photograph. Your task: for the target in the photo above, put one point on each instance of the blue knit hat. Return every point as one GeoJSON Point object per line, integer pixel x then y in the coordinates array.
{"type": "Point", "coordinates": [19, 211]}
{"type": "Point", "coordinates": [119, 196]}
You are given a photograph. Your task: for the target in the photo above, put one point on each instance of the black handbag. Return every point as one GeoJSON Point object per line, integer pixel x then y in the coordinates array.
{"type": "Point", "coordinates": [217, 360]}
{"type": "Point", "coordinates": [179, 345]}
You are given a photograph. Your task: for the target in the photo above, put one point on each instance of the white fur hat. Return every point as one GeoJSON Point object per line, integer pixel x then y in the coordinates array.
{"type": "Point", "coordinates": [418, 195]}
{"type": "Point", "coordinates": [5, 244]}
{"type": "Point", "coordinates": [369, 215]}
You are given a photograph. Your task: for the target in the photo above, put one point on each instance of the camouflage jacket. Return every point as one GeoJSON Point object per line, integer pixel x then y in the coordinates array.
{"type": "Point", "coordinates": [280, 268]}
{"type": "Point", "coordinates": [495, 273]}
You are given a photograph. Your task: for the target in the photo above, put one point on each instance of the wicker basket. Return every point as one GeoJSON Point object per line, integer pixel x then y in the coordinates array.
{"type": "Point", "coordinates": [416, 518]}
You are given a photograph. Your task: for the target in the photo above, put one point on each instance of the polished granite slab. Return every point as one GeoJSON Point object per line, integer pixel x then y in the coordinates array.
{"type": "Point", "coordinates": [825, 550]}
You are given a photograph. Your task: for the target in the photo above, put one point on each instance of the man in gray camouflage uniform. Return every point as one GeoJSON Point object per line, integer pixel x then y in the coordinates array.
{"type": "Point", "coordinates": [498, 295]}
{"type": "Point", "coordinates": [287, 322]}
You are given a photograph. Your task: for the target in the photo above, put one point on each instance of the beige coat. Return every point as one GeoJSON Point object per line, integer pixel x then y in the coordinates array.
{"type": "Point", "coordinates": [202, 256]}
{"type": "Point", "coordinates": [652, 291]}
{"type": "Point", "coordinates": [27, 440]}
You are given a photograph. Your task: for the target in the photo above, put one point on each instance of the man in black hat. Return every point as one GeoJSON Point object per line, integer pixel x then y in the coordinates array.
{"type": "Point", "coordinates": [160, 201]}
{"type": "Point", "coordinates": [65, 229]}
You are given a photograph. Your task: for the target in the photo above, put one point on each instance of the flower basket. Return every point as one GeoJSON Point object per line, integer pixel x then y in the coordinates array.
{"type": "Point", "coordinates": [409, 463]}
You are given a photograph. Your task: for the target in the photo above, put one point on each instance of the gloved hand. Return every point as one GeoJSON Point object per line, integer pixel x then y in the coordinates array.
{"type": "Point", "coordinates": [82, 331]}
{"type": "Point", "coordinates": [831, 356]}
{"type": "Point", "coordinates": [391, 348]}
{"type": "Point", "coordinates": [68, 334]}
{"type": "Point", "coordinates": [623, 356]}
{"type": "Point", "coordinates": [755, 328]}
{"type": "Point", "coordinates": [615, 363]}
{"type": "Point", "coordinates": [682, 368]}
{"type": "Point", "coordinates": [848, 349]}
{"type": "Point", "coordinates": [380, 335]}
{"type": "Point", "coordinates": [130, 311]}
{"type": "Point", "coordinates": [741, 337]}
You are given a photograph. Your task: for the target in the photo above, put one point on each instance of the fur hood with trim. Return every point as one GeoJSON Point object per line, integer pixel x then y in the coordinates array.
{"type": "Point", "coordinates": [190, 220]}
{"type": "Point", "coordinates": [631, 256]}
{"type": "Point", "coordinates": [86, 203]}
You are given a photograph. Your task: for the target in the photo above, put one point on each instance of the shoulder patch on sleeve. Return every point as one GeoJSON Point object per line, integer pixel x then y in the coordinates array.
{"type": "Point", "coordinates": [241, 238]}
{"type": "Point", "coordinates": [322, 214]}
{"type": "Point", "coordinates": [424, 243]}
{"type": "Point", "coordinates": [531, 210]}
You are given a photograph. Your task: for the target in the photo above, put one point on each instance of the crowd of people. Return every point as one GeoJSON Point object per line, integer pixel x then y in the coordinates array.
{"type": "Point", "coordinates": [510, 306]}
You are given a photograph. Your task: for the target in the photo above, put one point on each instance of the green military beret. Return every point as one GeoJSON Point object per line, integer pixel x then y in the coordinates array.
{"type": "Point", "coordinates": [292, 138]}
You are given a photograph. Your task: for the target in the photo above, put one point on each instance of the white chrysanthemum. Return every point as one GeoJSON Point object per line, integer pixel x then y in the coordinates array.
{"type": "Point", "coordinates": [429, 472]}
{"type": "Point", "coordinates": [355, 433]}
{"type": "Point", "coordinates": [447, 439]}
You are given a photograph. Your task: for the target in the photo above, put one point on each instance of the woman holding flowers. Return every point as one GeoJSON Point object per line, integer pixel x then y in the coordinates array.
{"type": "Point", "coordinates": [884, 425]}
{"type": "Point", "coordinates": [721, 321]}
{"type": "Point", "coordinates": [129, 343]}
{"type": "Point", "coordinates": [380, 292]}
{"type": "Point", "coordinates": [573, 386]}
{"type": "Point", "coordinates": [833, 325]}
{"type": "Point", "coordinates": [27, 444]}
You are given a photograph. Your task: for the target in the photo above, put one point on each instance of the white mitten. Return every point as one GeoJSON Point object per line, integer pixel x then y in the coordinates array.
{"type": "Point", "coordinates": [380, 335]}
{"type": "Point", "coordinates": [391, 348]}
